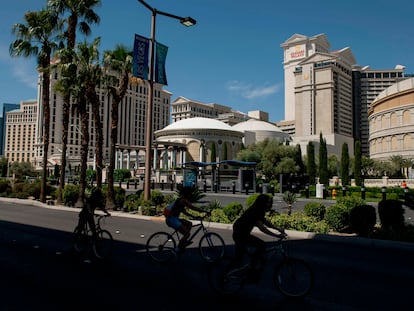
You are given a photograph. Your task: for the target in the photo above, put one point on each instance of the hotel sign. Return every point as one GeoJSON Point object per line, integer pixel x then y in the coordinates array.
{"type": "Point", "coordinates": [296, 52]}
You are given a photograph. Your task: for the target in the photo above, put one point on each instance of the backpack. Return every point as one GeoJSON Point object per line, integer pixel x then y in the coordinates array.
{"type": "Point", "coordinates": [168, 209]}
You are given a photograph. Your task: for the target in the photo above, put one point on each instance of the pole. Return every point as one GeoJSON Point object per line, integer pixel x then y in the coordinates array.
{"type": "Point", "coordinates": [148, 134]}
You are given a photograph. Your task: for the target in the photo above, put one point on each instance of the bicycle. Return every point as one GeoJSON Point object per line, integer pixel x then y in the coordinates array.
{"type": "Point", "coordinates": [101, 244]}
{"type": "Point", "coordinates": [161, 245]}
{"type": "Point", "coordinates": [293, 277]}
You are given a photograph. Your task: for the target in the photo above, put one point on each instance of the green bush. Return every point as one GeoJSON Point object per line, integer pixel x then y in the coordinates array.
{"type": "Point", "coordinates": [233, 210]}
{"type": "Point", "coordinates": [337, 217]}
{"type": "Point", "coordinates": [217, 215]}
{"type": "Point", "coordinates": [5, 187]}
{"type": "Point", "coordinates": [350, 201]}
{"type": "Point", "coordinates": [315, 209]}
{"type": "Point", "coordinates": [119, 197]}
{"type": "Point", "coordinates": [70, 194]}
{"type": "Point", "coordinates": [300, 222]}
{"type": "Point", "coordinates": [362, 219]}
{"type": "Point", "coordinates": [132, 202]}
{"type": "Point", "coordinates": [157, 197]}
{"type": "Point", "coordinates": [391, 214]}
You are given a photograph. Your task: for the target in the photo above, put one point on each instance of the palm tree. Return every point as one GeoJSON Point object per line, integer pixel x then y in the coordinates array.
{"type": "Point", "coordinates": [118, 65]}
{"type": "Point", "coordinates": [36, 38]}
{"type": "Point", "coordinates": [87, 62]}
{"type": "Point", "coordinates": [77, 10]}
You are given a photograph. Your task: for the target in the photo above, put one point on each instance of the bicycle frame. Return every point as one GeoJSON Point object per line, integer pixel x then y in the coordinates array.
{"type": "Point", "coordinates": [200, 226]}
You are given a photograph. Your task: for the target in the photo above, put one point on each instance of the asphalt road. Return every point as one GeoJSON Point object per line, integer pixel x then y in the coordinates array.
{"type": "Point", "coordinates": [39, 272]}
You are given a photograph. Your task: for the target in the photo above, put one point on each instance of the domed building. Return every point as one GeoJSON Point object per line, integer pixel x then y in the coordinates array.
{"type": "Point", "coordinates": [256, 131]}
{"type": "Point", "coordinates": [391, 122]}
{"type": "Point", "coordinates": [195, 139]}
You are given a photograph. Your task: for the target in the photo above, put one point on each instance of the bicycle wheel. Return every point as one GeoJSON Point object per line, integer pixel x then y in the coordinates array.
{"type": "Point", "coordinates": [293, 277]}
{"type": "Point", "coordinates": [211, 246]}
{"type": "Point", "coordinates": [103, 245]}
{"type": "Point", "coordinates": [223, 282]}
{"type": "Point", "coordinates": [80, 240]}
{"type": "Point", "coordinates": [160, 246]}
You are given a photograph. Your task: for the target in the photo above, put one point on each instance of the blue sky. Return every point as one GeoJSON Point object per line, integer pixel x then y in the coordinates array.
{"type": "Point", "coordinates": [232, 56]}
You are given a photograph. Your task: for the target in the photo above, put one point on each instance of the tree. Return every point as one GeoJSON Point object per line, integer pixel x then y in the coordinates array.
{"type": "Point", "coordinates": [37, 38]}
{"type": "Point", "coordinates": [358, 163]}
{"type": "Point", "coordinates": [77, 10]}
{"type": "Point", "coordinates": [333, 165]}
{"type": "Point", "coordinates": [298, 160]}
{"type": "Point", "coordinates": [86, 58]}
{"type": "Point", "coordinates": [345, 164]}
{"type": "Point", "coordinates": [323, 161]}
{"type": "Point", "coordinates": [311, 165]}
{"type": "Point", "coordinates": [118, 66]}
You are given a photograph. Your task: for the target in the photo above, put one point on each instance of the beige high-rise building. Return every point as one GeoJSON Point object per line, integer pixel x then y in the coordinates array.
{"type": "Point", "coordinates": [20, 134]}
{"type": "Point", "coordinates": [368, 83]}
{"type": "Point", "coordinates": [318, 92]}
{"type": "Point", "coordinates": [131, 126]}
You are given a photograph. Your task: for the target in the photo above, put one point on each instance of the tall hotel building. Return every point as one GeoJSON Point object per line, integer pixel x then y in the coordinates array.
{"type": "Point", "coordinates": [131, 124]}
{"type": "Point", "coordinates": [318, 92]}
{"type": "Point", "coordinates": [367, 85]}
{"type": "Point", "coordinates": [20, 133]}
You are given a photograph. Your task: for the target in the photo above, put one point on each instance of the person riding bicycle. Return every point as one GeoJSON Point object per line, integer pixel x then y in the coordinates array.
{"type": "Point", "coordinates": [95, 200]}
{"type": "Point", "coordinates": [243, 226]}
{"type": "Point", "coordinates": [172, 215]}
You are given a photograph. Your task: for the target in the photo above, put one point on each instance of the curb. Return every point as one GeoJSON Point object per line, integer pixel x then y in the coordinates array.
{"type": "Point", "coordinates": [294, 235]}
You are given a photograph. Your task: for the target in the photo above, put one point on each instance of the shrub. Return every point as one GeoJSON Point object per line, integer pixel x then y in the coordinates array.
{"type": "Point", "coordinates": [300, 222]}
{"type": "Point", "coordinates": [157, 197]}
{"type": "Point", "coordinates": [132, 202]}
{"type": "Point", "coordinates": [233, 210]}
{"type": "Point", "coordinates": [191, 193]}
{"type": "Point", "coordinates": [350, 201]}
{"type": "Point", "coordinates": [70, 194]}
{"type": "Point", "coordinates": [217, 215]}
{"type": "Point", "coordinates": [315, 209]}
{"type": "Point", "coordinates": [391, 214]}
{"type": "Point", "coordinates": [119, 197]}
{"type": "Point", "coordinates": [362, 219]}
{"type": "Point", "coordinates": [215, 204]}
{"type": "Point", "coordinates": [337, 217]}
{"type": "Point", "coordinates": [5, 187]}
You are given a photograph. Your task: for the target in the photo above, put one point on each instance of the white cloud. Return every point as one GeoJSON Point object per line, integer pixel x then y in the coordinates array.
{"type": "Point", "coordinates": [250, 91]}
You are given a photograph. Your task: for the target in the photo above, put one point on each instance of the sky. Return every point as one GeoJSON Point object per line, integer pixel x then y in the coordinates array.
{"type": "Point", "coordinates": [232, 56]}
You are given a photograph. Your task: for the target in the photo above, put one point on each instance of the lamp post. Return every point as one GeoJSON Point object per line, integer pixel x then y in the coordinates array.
{"type": "Point", "coordinates": [186, 21]}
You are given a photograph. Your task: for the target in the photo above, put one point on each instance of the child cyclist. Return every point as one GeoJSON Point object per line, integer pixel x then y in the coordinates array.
{"type": "Point", "coordinates": [172, 215]}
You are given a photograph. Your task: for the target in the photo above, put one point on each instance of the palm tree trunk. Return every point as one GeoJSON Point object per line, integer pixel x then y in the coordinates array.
{"type": "Point", "coordinates": [46, 134]}
{"type": "Point", "coordinates": [110, 200]}
{"type": "Point", "coordinates": [84, 154]}
{"type": "Point", "coordinates": [94, 100]}
{"type": "Point", "coordinates": [65, 116]}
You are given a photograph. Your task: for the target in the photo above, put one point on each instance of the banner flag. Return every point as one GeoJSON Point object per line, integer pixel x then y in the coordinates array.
{"type": "Point", "coordinates": [161, 55]}
{"type": "Point", "coordinates": [140, 57]}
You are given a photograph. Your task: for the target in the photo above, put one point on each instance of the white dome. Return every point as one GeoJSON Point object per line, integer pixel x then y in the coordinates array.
{"type": "Point", "coordinates": [198, 123]}
{"type": "Point", "coordinates": [256, 125]}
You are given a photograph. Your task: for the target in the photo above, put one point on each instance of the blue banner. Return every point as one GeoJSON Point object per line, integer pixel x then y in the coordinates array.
{"type": "Point", "coordinates": [161, 55]}
{"type": "Point", "coordinates": [140, 57]}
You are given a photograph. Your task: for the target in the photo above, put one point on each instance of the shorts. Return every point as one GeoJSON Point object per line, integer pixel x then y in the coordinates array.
{"type": "Point", "coordinates": [173, 222]}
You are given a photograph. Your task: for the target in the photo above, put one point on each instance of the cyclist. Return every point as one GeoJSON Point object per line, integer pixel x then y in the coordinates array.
{"type": "Point", "coordinates": [243, 226]}
{"type": "Point", "coordinates": [172, 216]}
{"type": "Point", "coordinates": [95, 200]}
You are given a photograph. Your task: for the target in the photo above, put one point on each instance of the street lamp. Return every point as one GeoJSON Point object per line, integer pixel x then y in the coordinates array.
{"type": "Point", "coordinates": [186, 21]}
